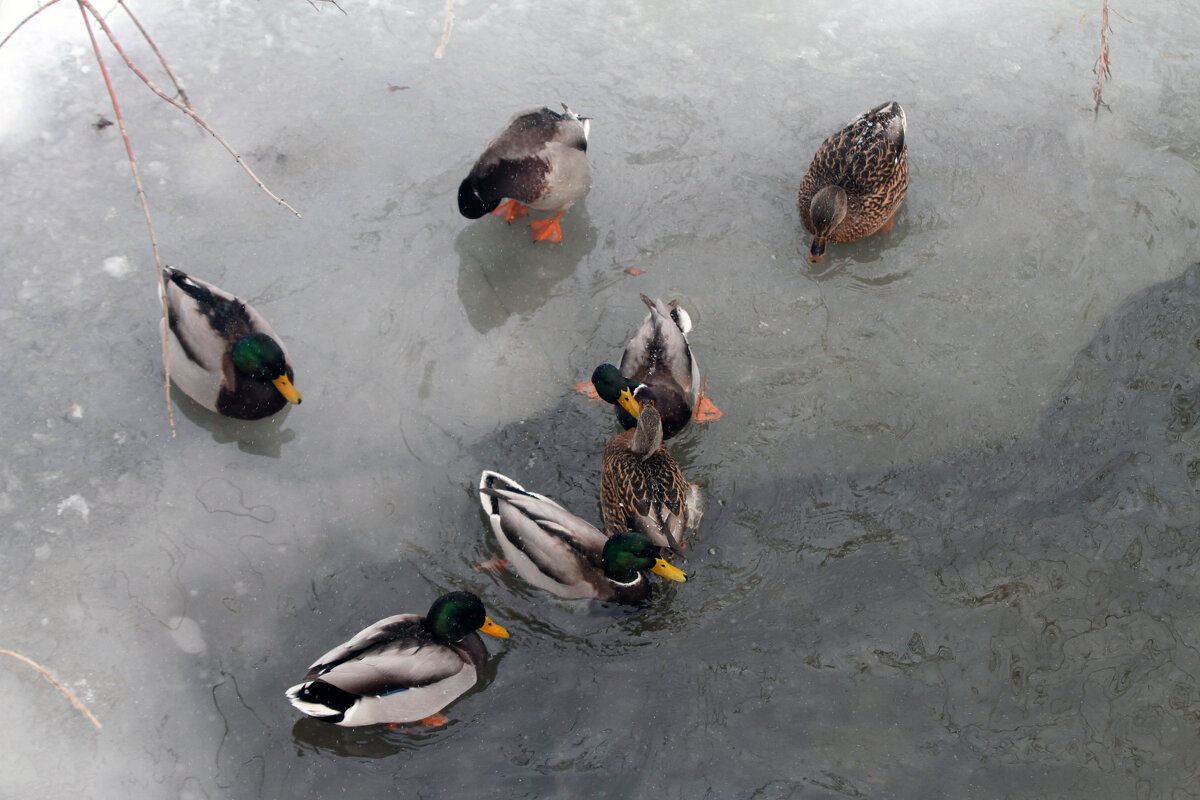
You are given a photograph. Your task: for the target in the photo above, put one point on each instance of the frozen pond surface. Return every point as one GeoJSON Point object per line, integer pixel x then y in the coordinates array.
{"type": "Point", "coordinates": [952, 530]}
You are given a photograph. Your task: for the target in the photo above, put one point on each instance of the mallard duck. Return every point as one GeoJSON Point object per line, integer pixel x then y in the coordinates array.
{"type": "Point", "coordinates": [658, 368]}
{"type": "Point", "coordinates": [538, 161]}
{"type": "Point", "coordinates": [555, 550]}
{"type": "Point", "coordinates": [404, 668]}
{"type": "Point", "coordinates": [224, 355]}
{"type": "Point", "coordinates": [857, 179]}
{"type": "Point", "coordinates": [642, 487]}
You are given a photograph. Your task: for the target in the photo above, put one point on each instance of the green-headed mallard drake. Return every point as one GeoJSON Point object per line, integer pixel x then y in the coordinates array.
{"type": "Point", "coordinates": [555, 550]}
{"type": "Point", "coordinates": [658, 368]}
{"type": "Point", "coordinates": [642, 487]}
{"type": "Point", "coordinates": [538, 161]}
{"type": "Point", "coordinates": [404, 668]}
{"type": "Point", "coordinates": [224, 355]}
{"type": "Point", "coordinates": [857, 179]}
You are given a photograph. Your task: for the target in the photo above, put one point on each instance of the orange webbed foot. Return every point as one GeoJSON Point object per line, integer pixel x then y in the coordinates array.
{"type": "Point", "coordinates": [493, 564]}
{"type": "Point", "coordinates": [436, 720]}
{"type": "Point", "coordinates": [547, 230]}
{"type": "Point", "coordinates": [706, 410]}
{"type": "Point", "coordinates": [510, 210]}
{"type": "Point", "coordinates": [887, 226]}
{"type": "Point", "coordinates": [587, 389]}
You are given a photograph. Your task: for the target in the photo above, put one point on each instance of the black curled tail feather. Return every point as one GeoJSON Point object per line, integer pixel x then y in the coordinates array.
{"type": "Point", "coordinates": [324, 694]}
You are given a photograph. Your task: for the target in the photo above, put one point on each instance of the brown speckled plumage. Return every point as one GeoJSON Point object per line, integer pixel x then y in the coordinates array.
{"type": "Point", "coordinates": [868, 159]}
{"type": "Point", "coordinates": [642, 487]}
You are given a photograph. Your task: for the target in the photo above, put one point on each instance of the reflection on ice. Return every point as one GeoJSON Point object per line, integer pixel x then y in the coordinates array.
{"type": "Point", "coordinates": [502, 271]}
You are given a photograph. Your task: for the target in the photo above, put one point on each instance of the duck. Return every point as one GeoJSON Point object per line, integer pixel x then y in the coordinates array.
{"type": "Point", "coordinates": [224, 354]}
{"type": "Point", "coordinates": [539, 161]}
{"type": "Point", "coordinates": [856, 180]}
{"type": "Point", "coordinates": [405, 668]}
{"type": "Point", "coordinates": [565, 555]}
{"type": "Point", "coordinates": [658, 368]}
{"type": "Point", "coordinates": [642, 487]}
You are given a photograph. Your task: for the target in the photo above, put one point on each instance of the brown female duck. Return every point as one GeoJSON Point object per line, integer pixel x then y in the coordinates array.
{"type": "Point", "coordinates": [642, 487]}
{"type": "Point", "coordinates": [857, 179]}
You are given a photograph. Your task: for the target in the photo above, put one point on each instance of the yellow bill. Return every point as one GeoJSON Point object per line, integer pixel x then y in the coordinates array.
{"type": "Point", "coordinates": [286, 389]}
{"type": "Point", "coordinates": [492, 629]}
{"type": "Point", "coordinates": [667, 571]}
{"type": "Point", "coordinates": [628, 403]}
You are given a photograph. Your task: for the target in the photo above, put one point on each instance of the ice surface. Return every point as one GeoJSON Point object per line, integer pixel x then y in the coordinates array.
{"type": "Point", "coordinates": [949, 548]}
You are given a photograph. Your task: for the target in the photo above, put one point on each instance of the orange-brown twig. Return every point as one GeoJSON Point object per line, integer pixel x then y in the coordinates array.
{"type": "Point", "coordinates": [1102, 68]}
{"type": "Point", "coordinates": [185, 108]}
{"type": "Point", "coordinates": [441, 51]}
{"type": "Point", "coordinates": [141, 192]}
{"type": "Point", "coordinates": [161, 59]}
{"type": "Point", "coordinates": [52, 679]}
{"type": "Point", "coordinates": [31, 15]}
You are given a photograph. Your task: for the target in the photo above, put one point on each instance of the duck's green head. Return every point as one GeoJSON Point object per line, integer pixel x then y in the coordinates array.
{"type": "Point", "coordinates": [260, 357]}
{"type": "Point", "coordinates": [626, 554]}
{"type": "Point", "coordinates": [615, 388]}
{"type": "Point", "coordinates": [452, 616]}
{"type": "Point", "coordinates": [827, 210]}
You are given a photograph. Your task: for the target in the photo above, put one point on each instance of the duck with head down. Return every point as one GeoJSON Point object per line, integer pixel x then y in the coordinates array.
{"type": "Point", "coordinates": [657, 368]}
{"type": "Point", "coordinates": [538, 161]}
{"type": "Point", "coordinates": [856, 180]}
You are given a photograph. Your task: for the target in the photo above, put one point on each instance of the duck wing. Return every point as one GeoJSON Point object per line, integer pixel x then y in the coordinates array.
{"type": "Point", "coordinates": [558, 544]}
{"type": "Point", "coordinates": [393, 654]}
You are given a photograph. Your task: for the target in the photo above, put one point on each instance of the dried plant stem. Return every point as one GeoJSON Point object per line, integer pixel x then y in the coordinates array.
{"type": "Point", "coordinates": [441, 51]}
{"type": "Point", "coordinates": [52, 679]}
{"type": "Point", "coordinates": [162, 60]}
{"type": "Point", "coordinates": [1102, 67]}
{"type": "Point", "coordinates": [185, 108]}
{"type": "Point", "coordinates": [31, 15]}
{"type": "Point", "coordinates": [141, 192]}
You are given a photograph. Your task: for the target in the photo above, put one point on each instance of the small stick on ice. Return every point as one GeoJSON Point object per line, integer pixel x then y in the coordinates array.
{"type": "Point", "coordinates": [441, 51]}
{"type": "Point", "coordinates": [46, 674]}
{"type": "Point", "coordinates": [141, 192]}
{"type": "Point", "coordinates": [1101, 69]}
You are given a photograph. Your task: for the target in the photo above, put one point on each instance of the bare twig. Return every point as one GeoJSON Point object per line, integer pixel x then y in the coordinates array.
{"type": "Point", "coordinates": [32, 14]}
{"type": "Point", "coordinates": [441, 51]}
{"type": "Point", "coordinates": [1102, 68]}
{"type": "Point", "coordinates": [186, 109]}
{"type": "Point", "coordinates": [141, 192]}
{"type": "Point", "coordinates": [52, 679]}
{"type": "Point", "coordinates": [170, 72]}
{"type": "Point", "coordinates": [331, 2]}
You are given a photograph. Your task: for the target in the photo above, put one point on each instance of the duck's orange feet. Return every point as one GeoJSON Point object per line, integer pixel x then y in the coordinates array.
{"type": "Point", "coordinates": [547, 230]}
{"type": "Point", "coordinates": [706, 410]}
{"type": "Point", "coordinates": [887, 226]}
{"type": "Point", "coordinates": [436, 720]}
{"type": "Point", "coordinates": [493, 564]}
{"type": "Point", "coordinates": [587, 389]}
{"type": "Point", "coordinates": [510, 210]}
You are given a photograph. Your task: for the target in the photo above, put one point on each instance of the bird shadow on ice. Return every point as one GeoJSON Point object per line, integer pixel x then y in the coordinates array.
{"type": "Point", "coordinates": [260, 437]}
{"type": "Point", "coordinates": [503, 271]}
